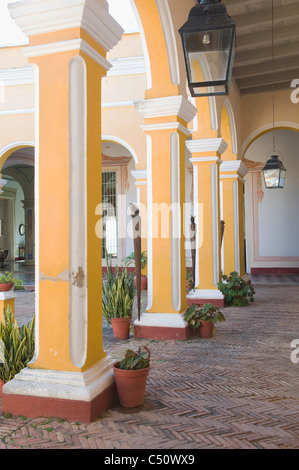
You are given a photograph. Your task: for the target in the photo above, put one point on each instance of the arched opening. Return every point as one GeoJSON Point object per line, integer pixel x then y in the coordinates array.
{"type": "Point", "coordinates": [272, 230]}
{"type": "Point", "coordinates": [17, 214]}
{"type": "Point", "coordinates": [118, 191]}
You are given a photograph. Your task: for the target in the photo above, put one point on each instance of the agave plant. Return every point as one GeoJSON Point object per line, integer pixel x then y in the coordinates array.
{"type": "Point", "coordinates": [17, 345]}
{"type": "Point", "coordinates": [118, 293]}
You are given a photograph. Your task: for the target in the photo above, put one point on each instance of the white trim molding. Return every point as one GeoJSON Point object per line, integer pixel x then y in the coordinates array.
{"type": "Point", "coordinates": [12, 145]}
{"type": "Point", "coordinates": [18, 76]}
{"type": "Point", "coordinates": [47, 16]}
{"type": "Point", "coordinates": [127, 66]}
{"type": "Point", "coordinates": [166, 106]}
{"type": "Point", "coordinates": [166, 320]}
{"type": "Point", "coordinates": [169, 35]}
{"type": "Point", "coordinates": [205, 159]}
{"type": "Point", "coordinates": [139, 174]}
{"type": "Point", "coordinates": [64, 46]}
{"type": "Point", "coordinates": [235, 165]}
{"type": "Point", "coordinates": [17, 112]}
{"type": "Point", "coordinates": [206, 145]}
{"type": "Point", "coordinates": [232, 123]}
{"type": "Point", "coordinates": [8, 294]}
{"type": "Point", "coordinates": [113, 138]}
{"type": "Point", "coordinates": [205, 294]}
{"type": "Point", "coordinates": [165, 125]}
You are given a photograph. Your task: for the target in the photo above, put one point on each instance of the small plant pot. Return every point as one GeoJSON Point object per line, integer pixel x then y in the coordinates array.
{"type": "Point", "coordinates": [131, 386]}
{"type": "Point", "coordinates": [206, 329]}
{"type": "Point", "coordinates": [121, 327]}
{"type": "Point", "coordinates": [143, 282]}
{"type": "Point", "coordinates": [5, 287]}
{"type": "Point", "coordinates": [1, 386]}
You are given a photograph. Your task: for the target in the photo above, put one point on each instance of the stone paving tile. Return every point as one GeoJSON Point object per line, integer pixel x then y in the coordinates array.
{"type": "Point", "coordinates": [236, 390]}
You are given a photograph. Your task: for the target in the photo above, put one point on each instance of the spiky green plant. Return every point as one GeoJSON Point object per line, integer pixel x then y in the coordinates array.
{"type": "Point", "coordinates": [118, 293]}
{"type": "Point", "coordinates": [17, 345]}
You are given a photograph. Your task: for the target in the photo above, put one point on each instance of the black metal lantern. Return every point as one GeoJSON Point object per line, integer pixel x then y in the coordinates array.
{"type": "Point", "coordinates": [274, 173]}
{"type": "Point", "coordinates": [209, 40]}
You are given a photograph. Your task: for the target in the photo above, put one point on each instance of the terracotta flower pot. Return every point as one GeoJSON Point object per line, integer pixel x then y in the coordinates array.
{"type": "Point", "coordinates": [121, 327]}
{"type": "Point", "coordinates": [1, 386]}
{"type": "Point", "coordinates": [143, 282]}
{"type": "Point", "coordinates": [5, 287]}
{"type": "Point", "coordinates": [131, 386]}
{"type": "Point", "coordinates": [206, 329]}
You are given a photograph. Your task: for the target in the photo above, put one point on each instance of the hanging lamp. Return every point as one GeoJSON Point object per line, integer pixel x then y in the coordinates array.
{"type": "Point", "coordinates": [209, 40]}
{"type": "Point", "coordinates": [274, 172]}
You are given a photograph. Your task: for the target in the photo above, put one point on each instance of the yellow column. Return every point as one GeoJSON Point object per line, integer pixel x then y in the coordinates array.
{"type": "Point", "coordinates": [232, 188]}
{"type": "Point", "coordinates": [165, 124]}
{"type": "Point", "coordinates": [70, 375]}
{"type": "Point", "coordinates": [206, 161]}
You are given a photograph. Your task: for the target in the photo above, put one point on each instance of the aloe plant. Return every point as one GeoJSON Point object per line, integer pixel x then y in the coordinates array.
{"type": "Point", "coordinates": [17, 345]}
{"type": "Point", "coordinates": [118, 293]}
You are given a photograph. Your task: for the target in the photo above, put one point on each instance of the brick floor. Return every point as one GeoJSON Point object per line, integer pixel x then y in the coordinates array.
{"type": "Point", "coordinates": [236, 390]}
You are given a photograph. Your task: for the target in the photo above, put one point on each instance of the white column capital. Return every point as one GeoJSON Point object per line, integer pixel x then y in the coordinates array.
{"type": "Point", "coordinates": [139, 174]}
{"type": "Point", "coordinates": [234, 165]}
{"type": "Point", "coordinates": [206, 145]}
{"type": "Point", "coordinates": [47, 16]}
{"type": "Point", "coordinates": [166, 106]}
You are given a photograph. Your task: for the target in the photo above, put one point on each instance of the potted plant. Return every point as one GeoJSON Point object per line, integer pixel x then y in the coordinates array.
{"type": "Point", "coordinates": [17, 346]}
{"type": "Point", "coordinates": [203, 318]}
{"type": "Point", "coordinates": [236, 290]}
{"type": "Point", "coordinates": [189, 281]}
{"type": "Point", "coordinates": [7, 281]}
{"type": "Point", "coordinates": [131, 377]}
{"type": "Point", "coordinates": [128, 260]}
{"type": "Point", "coordinates": [118, 293]}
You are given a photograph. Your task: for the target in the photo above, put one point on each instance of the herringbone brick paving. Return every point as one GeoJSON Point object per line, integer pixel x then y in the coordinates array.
{"type": "Point", "coordinates": [236, 390]}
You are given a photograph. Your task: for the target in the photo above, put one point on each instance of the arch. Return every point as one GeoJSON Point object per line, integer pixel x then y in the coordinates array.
{"type": "Point", "coordinates": [10, 148]}
{"type": "Point", "coordinates": [112, 138]}
{"type": "Point", "coordinates": [161, 49]}
{"type": "Point", "coordinates": [233, 131]}
{"type": "Point", "coordinates": [293, 126]}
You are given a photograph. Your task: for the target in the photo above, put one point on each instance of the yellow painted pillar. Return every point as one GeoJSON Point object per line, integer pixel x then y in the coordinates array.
{"type": "Point", "coordinates": [206, 160]}
{"type": "Point", "coordinates": [165, 125]}
{"type": "Point", "coordinates": [70, 376]}
{"type": "Point", "coordinates": [232, 189]}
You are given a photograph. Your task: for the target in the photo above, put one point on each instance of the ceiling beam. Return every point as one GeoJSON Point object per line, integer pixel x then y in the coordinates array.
{"type": "Point", "coordinates": [278, 77]}
{"type": "Point", "coordinates": [261, 54]}
{"type": "Point", "coordinates": [261, 19]}
{"type": "Point", "coordinates": [284, 34]}
{"type": "Point", "coordinates": [266, 67]}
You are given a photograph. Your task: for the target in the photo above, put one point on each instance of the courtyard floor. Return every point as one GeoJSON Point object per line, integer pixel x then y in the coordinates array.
{"type": "Point", "coordinates": [237, 390]}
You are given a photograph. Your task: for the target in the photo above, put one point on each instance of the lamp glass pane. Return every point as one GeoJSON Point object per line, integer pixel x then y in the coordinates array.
{"type": "Point", "coordinates": [208, 54]}
{"type": "Point", "coordinates": [271, 178]}
{"type": "Point", "coordinates": [282, 178]}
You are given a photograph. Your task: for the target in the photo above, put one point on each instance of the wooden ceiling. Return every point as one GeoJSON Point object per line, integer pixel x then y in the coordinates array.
{"type": "Point", "coordinates": [253, 61]}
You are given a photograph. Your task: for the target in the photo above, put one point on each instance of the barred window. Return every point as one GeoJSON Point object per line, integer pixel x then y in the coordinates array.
{"type": "Point", "coordinates": [110, 213]}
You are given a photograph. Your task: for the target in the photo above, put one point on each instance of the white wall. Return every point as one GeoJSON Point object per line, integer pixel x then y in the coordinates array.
{"type": "Point", "coordinates": [274, 222]}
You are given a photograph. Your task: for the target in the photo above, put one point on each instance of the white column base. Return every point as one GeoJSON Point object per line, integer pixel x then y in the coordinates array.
{"type": "Point", "coordinates": [205, 294]}
{"type": "Point", "coordinates": [75, 386]}
{"type": "Point", "coordinates": [166, 320]}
